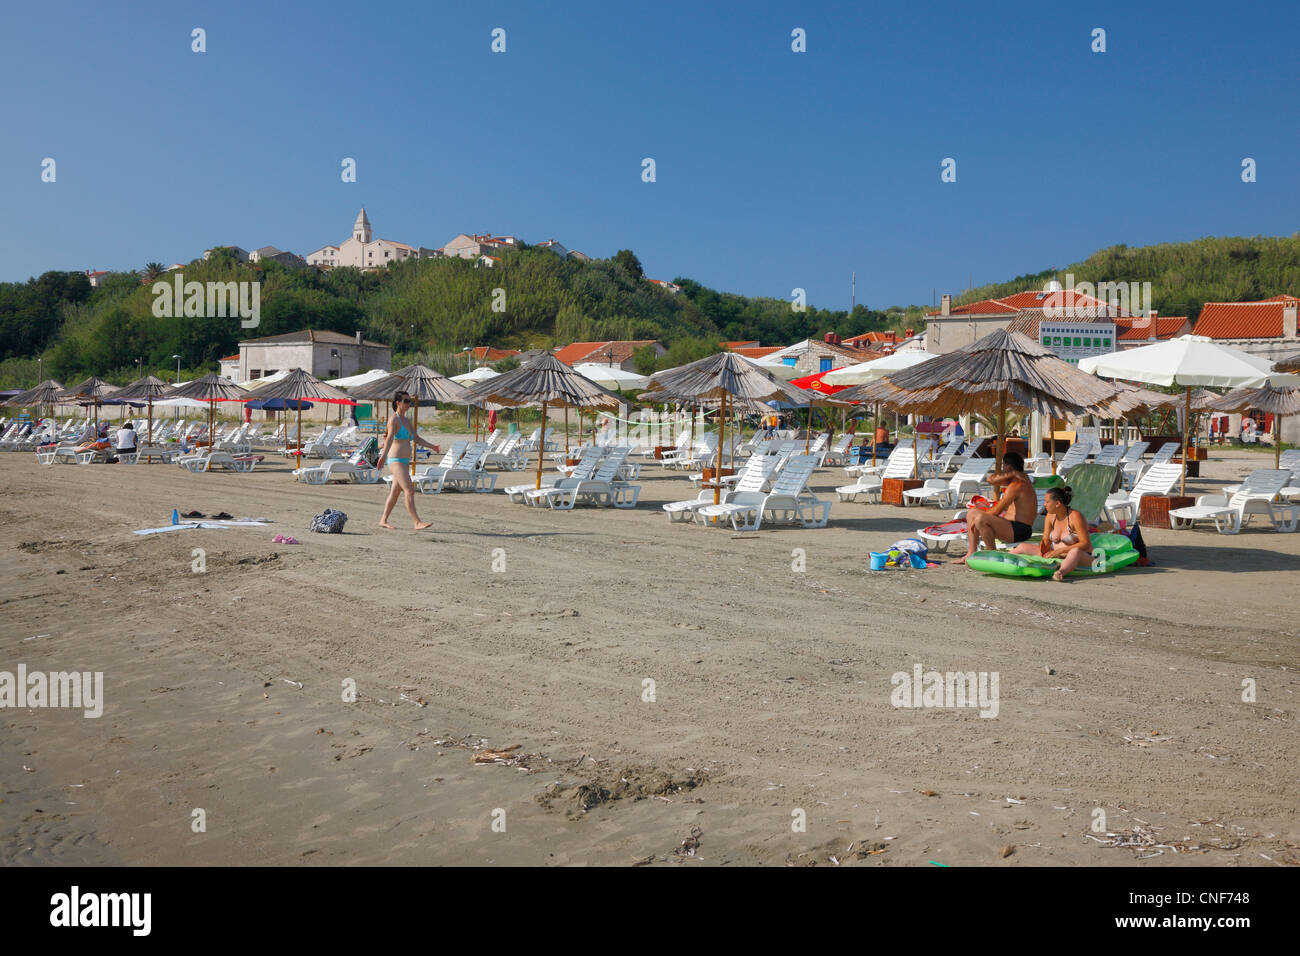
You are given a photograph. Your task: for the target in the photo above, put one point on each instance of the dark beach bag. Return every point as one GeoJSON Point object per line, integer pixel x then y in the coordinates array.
{"type": "Point", "coordinates": [328, 521]}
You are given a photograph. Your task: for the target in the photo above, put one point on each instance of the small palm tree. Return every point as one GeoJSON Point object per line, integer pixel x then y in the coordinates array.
{"type": "Point", "coordinates": [152, 270]}
{"type": "Point", "coordinates": [989, 422]}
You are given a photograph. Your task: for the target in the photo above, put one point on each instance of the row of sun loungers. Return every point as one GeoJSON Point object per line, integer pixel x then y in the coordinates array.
{"type": "Point", "coordinates": [768, 486]}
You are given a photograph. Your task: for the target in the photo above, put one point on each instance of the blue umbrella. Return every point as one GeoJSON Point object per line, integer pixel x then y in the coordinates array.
{"type": "Point", "coordinates": [278, 404]}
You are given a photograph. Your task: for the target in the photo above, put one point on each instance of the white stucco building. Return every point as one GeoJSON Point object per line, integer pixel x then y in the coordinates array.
{"type": "Point", "coordinates": [362, 250]}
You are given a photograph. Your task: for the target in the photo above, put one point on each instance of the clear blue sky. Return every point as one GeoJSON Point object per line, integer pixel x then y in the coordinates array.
{"type": "Point", "coordinates": [774, 169]}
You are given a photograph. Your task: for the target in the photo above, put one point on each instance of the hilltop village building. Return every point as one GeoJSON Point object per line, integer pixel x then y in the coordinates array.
{"type": "Point", "coordinates": [362, 250]}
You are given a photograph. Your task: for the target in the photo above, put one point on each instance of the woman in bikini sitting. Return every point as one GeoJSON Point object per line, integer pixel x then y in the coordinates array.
{"type": "Point", "coordinates": [1065, 534]}
{"type": "Point", "coordinates": [400, 439]}
{"type": "Point", "coordinates": [1012, 518]}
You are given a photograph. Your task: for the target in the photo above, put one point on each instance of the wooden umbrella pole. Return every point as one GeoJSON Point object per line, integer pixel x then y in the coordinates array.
{"type": "Point", "coordinates": [916, 463]}
{"type": "Point", "coordinates": [151, 420]}
{"type": "Point", "coordinates": [415, 431]}
{"type": "Point", "coordinates": [541, 447]}
{"type": "Point", "coordinates": [566, 433]}
{"type": "Point", "coordinates": [1052, 425]}
{"type": "Point", "coordinates": [1187, 424]}
{"type": "Point", "coordinates": [717, 471]}
{"type": "Point", "coordinates": [1277, 441]}
{"type": "Point", "coordinates": [1002, 423]}
{"type": "Point", "coordinates": [875, 426]}
{"type": "Point", "coordinates": [299, 456]}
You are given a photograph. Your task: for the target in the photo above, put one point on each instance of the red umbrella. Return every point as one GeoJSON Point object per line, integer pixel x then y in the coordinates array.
{"type": "Point", "coordinates": [814, 383]}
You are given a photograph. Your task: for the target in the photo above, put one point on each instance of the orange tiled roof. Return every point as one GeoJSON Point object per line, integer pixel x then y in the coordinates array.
{"type": "Point", "coordinates": [1137, 330]}
{"type": "Point", "coordinates": [1031, 299]}
{"type": "Point", "coordinates": [983, 307]}
{"type": "Point", "coordinates": [600, 351]}
{"type": "Point", "coordinates": [887, 337]}
{"type": "Point", "coordinates": [740, 344]}
{"type": "Point", "coordinates": [755, 352]}
{"type": "Point", "coordinates": [486, 353]}
{"type": "Point", "coordinates": [1244, 320]}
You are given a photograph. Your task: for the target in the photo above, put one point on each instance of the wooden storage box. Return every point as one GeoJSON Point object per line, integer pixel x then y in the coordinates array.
{"type": "Point", "coordinates": [711, 473]}
{"type": "Point", "coordinates": [891, 489]}
{"type": "Point", "coordinates": [1154, 509]}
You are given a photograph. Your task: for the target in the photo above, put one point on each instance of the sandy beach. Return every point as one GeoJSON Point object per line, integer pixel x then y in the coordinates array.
{"type": "Point", "coordinates": [771, 704]}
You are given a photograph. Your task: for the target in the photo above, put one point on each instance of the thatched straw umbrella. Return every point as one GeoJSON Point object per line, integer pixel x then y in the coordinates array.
{"type": "Point", "coordinates": [424, 385]}
{"type": "Point", "coordinates": [1277, 400]}
{"type": "Point", "coordinates": [43, 394]}
{"type": "Point", "coordinates": [92, 391]}
{"type": "Point", "coordinates": [380, 390]}
{"type": "Point", "coordinates": [1288, 363]}
{"type": "Point", "coordinates": [1130, 401]}
{"type": "Point", "coordinates": [148, 388]}
{"type": "Point", "coordinates": [723, 376]}
{"type": "Point", "coordinates": [1001, 370]}
{"type": "Point", "coordinates": [549, 381]}
{"type": "Point", "coordinates": [299, 386]}
{"type": "Point", "coordinates": [212, 388]}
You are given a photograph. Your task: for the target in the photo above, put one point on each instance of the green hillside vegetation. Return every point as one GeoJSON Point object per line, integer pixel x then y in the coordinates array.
{"type": "Point", "coordinates": [1183, 275]}
{"type": "Point", "coordinates": [426, 309]}
{"type": "Point", "coordinates": [430, 309]}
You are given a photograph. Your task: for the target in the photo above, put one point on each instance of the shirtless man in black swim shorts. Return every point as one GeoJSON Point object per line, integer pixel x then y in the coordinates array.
{"type": "Point", "coordinates": [1012, 518]}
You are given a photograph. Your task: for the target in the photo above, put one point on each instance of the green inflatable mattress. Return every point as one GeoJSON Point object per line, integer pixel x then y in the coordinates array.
{"type": "Point", "coordinates": [1110, 552]}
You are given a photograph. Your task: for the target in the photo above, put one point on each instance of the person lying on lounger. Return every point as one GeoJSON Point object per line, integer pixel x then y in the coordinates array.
{"type": "Point", "coordinates": [1065, 534]}
{"type": "Point", "coordinates": [1012, 518]}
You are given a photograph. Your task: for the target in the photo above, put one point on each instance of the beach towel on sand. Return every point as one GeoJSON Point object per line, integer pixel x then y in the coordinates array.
{"type": "Point", "coordinates": [328, 521]}
{"type": "Point", "coordinates": [955, 526]}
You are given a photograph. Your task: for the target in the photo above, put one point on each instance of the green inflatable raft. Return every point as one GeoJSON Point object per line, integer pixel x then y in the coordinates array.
{"type": "Point", "coordinates": [1110, 552]}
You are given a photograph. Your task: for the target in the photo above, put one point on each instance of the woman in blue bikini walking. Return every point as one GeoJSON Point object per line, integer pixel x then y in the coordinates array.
{"type": "Point", "coordinates": [401, 439]}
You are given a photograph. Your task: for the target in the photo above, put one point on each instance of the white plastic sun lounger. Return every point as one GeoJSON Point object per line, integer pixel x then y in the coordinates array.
{"type": "Point", "coordinates": [1254, 496]}
{"type": "Point", "coordinates": [899, 466]}
{"type": "Point", "coordinates": [1076, 454]}
{"type": "Point", "coordinates": [947, 492]}
{"type": "Point", "coordinates": [904, 445]}
{"type": "Point", "coordinates": [508, 455]}
{"type": "Point", "coordinates": [338, 469]}
{"type": "Point", "coordinates": [213, 461]}
{"type": "Point", "coordinates": [466, 474]}
{"type": "Point", "coordinates": [585, 468]}
{"type": "Point", "coordinates": [1157, 480]}
{"type": "Point", "coordinates": [836, 453]}
{"type": "Point", "coordinates": [603, 487]}
{"type": "Point", "coordinates": [1110, 455]}
{"type": "Point", "coordinates": [753, 478]}
{"type": "Point", "coordinates": [789, 500]}
{"type": "Point", "coordinates": [1288, 461]}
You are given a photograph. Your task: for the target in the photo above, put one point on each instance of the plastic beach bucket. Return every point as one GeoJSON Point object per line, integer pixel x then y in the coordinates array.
{"type": "Point", "coordinates": [879, 559]}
